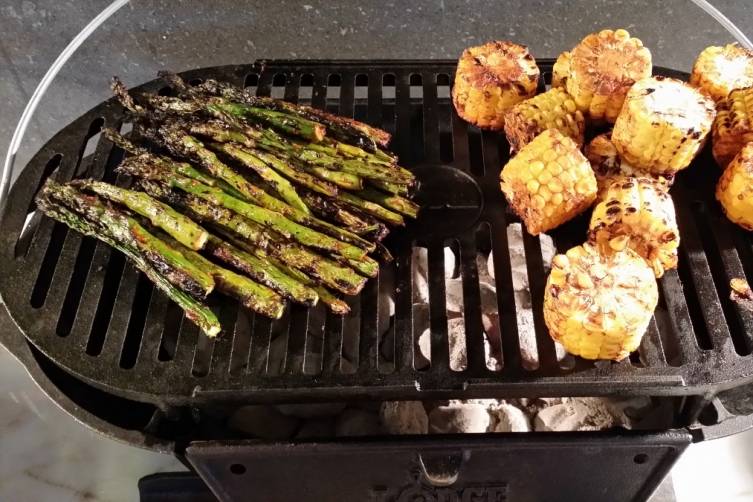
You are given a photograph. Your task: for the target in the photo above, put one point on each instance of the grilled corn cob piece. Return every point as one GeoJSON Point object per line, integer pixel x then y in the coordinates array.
{"type": "Point", "coordinates": [602, 68]}
{"type": "Point", "coordinates": [719, 70]}
{"type": "Point", "coordinates": [733, 126]}
{"type": "Point", "coordinates": [548, 182]}
{"type": "Point", "coordinates": [598, 306]}
{"type": "Point", "coordinates": [663, 125]}
{"type": "Point", "coordinates": [561, 70]}
{"type": "Point", "coordinates": [637, 213]}
{"type": "Point", "coordinates": [608, 167]}
{"type": "Point", "coordinates": [735, 188]}
{"type": "Point", "coordinates": [553, 109]}
{"type": "Point", "coordinates": [490, 79]}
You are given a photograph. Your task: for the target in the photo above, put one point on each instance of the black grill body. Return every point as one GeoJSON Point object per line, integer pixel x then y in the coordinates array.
{"type": "Point", "coordinates": [119, 356]}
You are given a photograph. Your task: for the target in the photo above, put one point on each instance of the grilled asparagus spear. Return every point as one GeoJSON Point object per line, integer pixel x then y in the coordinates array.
{"type": "Point", "coordinates": [335, 304]}
{"type": "Point", "coordinates": [281, 185]}
{"type": "Point", "coordinates": [265, 273]}
{"type": "Point", "coordinates": [143, 155]}
{"type": "Point", "coordinates": [328, 208]}
{"type": "Point", "coordinates": [125, 230]}
{"type": "Point", "coordinates": [184, 144]}
{"type": "Point", "coordinates": [329, 273]}
{"type": "Point", "coordinates": [393, 202]}
{"type": "Point", "coordinates": [342, 128]}
{"type": "Point", "coordinates": [371, 208]}
{"type": "Point", "coordinates": [391, 187]}
{"type": "Point", "coordinates": [252, 295]}
{"type": "Point", "coordinates": [197, 312]}
{"type": "Point", "coordinates": [178, 226]}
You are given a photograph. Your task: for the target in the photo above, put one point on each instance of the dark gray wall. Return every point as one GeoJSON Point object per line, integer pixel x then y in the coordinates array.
{"type": "Point", "coordinates": [149, 35]}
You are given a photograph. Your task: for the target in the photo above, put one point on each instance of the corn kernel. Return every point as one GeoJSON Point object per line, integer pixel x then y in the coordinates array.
{"type": "Point", "coordinates": [556, 196]}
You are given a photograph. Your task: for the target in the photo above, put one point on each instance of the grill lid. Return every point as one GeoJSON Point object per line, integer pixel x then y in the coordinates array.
{"type": "Point", "coordinates": [91, 312]}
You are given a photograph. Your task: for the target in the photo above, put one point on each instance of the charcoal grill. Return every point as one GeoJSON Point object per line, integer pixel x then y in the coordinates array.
{"type": "Point", "coordinates": [102, 341]}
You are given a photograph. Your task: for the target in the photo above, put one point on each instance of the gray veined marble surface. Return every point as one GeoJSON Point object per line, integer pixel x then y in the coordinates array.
{"type": "Point", "coordinates": [45, 454]}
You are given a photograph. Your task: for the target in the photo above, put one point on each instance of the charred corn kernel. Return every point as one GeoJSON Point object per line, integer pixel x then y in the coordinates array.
{"type": "Point", "coordinates": [561, 70]}
{"type": "Point", "coordinates": [609, 167]}
{"type": "Point", "coordinates": [602, 67]}
{"type": "Point", "coordinates": [490, 79]}
{"type": "Point", "coordinates": [558, 194]}
{"type": "Point", "coordinates": [720, 70]}
{"type": "Point", "coordinates": [663, 125]}
{"type": "Point", "coordinates": [641, 210]}
{"type": "Point", "coordinates": [553, 109]}
{"type": "Point", "coordinates": [599, 306]}
{"type": "Point", "coordinates": [735, 188]}
{"type": "Point", "coordinates": [733, 126]}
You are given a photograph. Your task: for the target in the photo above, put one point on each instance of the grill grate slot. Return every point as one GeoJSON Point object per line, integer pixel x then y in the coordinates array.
{"type": "Point", "coordinates": [725, 265]}
{"type": "Point", "coordinates": [505, 296]}
{"type": "Point", "coordinates": [153, 326]}
{"type": "Point", "coordinates": [223, 345]}
{"type": "Point", "coordinates": [102, 319]}
{"type": "Point", "coordinates": [169, 340]}
{"type": "Point", "coordinates": [696, 277]}
{"type": "Point", "coordinates": [121, 315]}
{"type": "Point", "coordinates": [115, 266]}
{"type": "Point", "coordinates": [136, 324]}
{"type": "Point", "coordinates": [536, 281]}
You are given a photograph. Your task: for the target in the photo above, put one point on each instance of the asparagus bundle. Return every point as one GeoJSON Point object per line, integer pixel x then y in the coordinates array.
{"type": "Point", "coordinates": [52, 200]}
{"type": "Point", "coordinates": [260, 199]}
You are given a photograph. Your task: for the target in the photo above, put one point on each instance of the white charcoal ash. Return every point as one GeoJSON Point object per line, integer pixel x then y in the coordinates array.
{"type": "Point", "coordinates": [264, 422]}
{"type": "Point", "coordinates": [454, 297]}
{"type": "Point", "coordinates": [457, 344]}
{"type": "Point", "coordinates": [404, 417]}
{"type": "Point", "coordinates": [451, 263]}
{"type": "Point", "coordinates": [357, 422]}
{"type": "Point", "coordinates": [458, 357]}
{"type": "Point", "coordinates": [526, 330]}
{"type": "Point", "coordinates": [420, 274]}
{"type": "Point", "coordinates": [421, 336]}
{"type": "Point", "coordinates": [420, 271]}
{"type": "Point", "coordinates": [458, 418]}
{"type": "Point", "coordinates": [485, 267]}
{"type": "Point", "coordinates": [508, 418]}
{"type": "Point", "coordinates": [516, 248]}
{"type": "Point", "coordinates": [580, 414]}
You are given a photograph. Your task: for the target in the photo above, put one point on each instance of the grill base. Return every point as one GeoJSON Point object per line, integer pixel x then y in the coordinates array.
{"type": "Point", "coordinates": [94, 315]}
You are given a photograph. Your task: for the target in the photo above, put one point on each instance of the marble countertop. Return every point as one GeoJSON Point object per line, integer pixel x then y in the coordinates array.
{"type": "Point", "coordinates": [44, 453]}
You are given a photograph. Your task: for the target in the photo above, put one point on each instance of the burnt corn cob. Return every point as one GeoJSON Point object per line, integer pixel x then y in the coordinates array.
{"type": "Point", "coordinates": [735, 188]}
{"type": "Point", "coordinates": [553, 109]}
{"type": "Point", "coordinates": [561, 70]}
{"type": "Point", "coordinates": [490, 79]}
{"type": "Point", "coordinates": [721, 69]}
{"type": "Point", "coordinates": [602, 67]}
{"type": "Point", "coordinates": [548, 182]}
{"type": "Point", "coordinates": [662, 125]}
{"type": "Point", "coordinates": [637, 213]}
{"type": "Point", "coordinates": [609, 167]}
{"type": "Point", "coordinates": [733, 126]}
{"type": "Point", "coordinates": [599, 306]}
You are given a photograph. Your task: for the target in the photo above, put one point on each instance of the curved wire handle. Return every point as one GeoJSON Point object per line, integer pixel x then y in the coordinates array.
{"type": "Point", "coordinates": [724, 21]}
{"type": "Point", "coordinates": [31, 106]}
{"type": "Point", "coordinates": [72, 47]}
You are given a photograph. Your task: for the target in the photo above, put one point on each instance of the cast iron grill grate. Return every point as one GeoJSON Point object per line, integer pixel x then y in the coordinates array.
{"type": "Point", "coordinates": [92, 313]}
